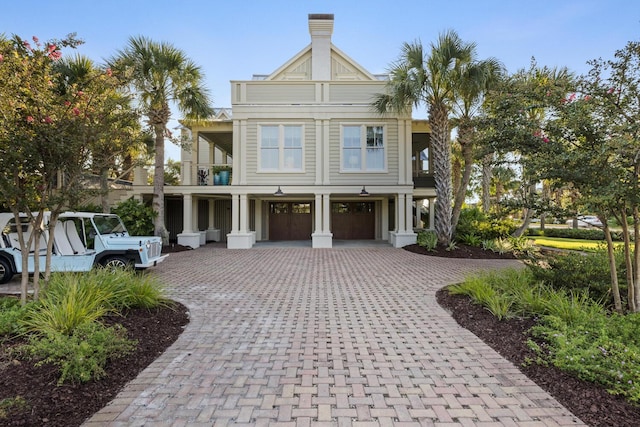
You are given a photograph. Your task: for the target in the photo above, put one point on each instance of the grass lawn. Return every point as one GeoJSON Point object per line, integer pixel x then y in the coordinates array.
{"type": "Point", "coordinates": [569, 244]}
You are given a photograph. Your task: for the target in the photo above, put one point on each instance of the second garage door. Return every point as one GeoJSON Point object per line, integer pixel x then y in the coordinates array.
{"type": "Point", "coordinates": [353, 220]}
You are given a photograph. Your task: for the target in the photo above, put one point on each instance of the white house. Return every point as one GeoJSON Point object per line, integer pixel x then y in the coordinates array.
{"type": "Point", "coordinates": [310, 159]}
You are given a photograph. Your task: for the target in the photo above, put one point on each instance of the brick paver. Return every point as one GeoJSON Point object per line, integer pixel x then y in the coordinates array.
{"type": "Point", "coordinates": [325, 337]}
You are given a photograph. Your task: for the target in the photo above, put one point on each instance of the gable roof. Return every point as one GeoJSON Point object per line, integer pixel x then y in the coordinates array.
{"type": "Point", "coordinates": [342, 67]}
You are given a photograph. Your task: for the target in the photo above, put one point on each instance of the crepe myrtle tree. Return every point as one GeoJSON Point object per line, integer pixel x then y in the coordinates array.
{"type": "Point", "coordinates": [512, 125]}
{"type": "Point", "coordinates": [160, 75]}
{"type": "Point", "coordinates": [45, 139]}
{"type": "Point", "coordinates": [594, 140]}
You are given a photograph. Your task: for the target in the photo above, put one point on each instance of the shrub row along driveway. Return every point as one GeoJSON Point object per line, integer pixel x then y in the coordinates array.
{"type": "Point", "coordinates": [300, 336]}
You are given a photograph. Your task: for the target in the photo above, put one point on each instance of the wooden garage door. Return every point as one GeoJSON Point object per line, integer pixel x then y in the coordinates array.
{"type": "Point", "coordinates": [290, 221]}
{"type": "Point", "coordinates": [353, 220]}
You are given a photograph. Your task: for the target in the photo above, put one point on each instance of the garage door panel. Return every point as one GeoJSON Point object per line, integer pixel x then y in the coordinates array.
{"type": "Point", "coordinates": [353, 220]}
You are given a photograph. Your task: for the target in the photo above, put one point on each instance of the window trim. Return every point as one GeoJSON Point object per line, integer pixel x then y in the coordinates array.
{"type": "Point", "coordinates": [363, 147]}
{"type": "Point", "coordinates": [281, 147]}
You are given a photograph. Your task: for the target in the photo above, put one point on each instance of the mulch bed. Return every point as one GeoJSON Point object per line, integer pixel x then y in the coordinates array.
{"type": "Point", "coordinates": [588, 401]}
{"type": "Point", "coordinates": [47, 404]}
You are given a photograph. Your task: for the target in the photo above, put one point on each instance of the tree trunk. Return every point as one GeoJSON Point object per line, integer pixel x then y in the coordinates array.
{"type": "Point", "coordinates": [631, 297]}
{"type": "Point", "coordinates": [438, 118]}
{"type": "Point", "coordinates": [465, 138]}
{"type": "Point", "coordinates": [487, 171]}
{"type": "Point", "coordinates": [158, 185]}
{"type": "Point", "coordinates": [636, 253]}
{"type": "Point", "coordinates": [104, 190]}
{"type": "Point", "coordinates": [615, 288]}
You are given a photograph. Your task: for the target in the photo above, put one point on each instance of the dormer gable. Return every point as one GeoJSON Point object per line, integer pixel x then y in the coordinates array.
{"type": "Point", "coordinates": [320, 60]}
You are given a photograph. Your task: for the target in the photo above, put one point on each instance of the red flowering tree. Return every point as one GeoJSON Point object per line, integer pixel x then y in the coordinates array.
{"type": "Point", "coordinates": [595, 135]}
{"type": "Point", "coordinates": [49, 131]}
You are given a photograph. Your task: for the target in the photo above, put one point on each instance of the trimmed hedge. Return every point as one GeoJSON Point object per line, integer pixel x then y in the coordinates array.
{"type": "Point", "coordinates": [574, 233]}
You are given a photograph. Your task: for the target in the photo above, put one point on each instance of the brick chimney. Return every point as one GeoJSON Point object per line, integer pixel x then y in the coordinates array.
{"type": "Point", "coordinates": [321, 28]}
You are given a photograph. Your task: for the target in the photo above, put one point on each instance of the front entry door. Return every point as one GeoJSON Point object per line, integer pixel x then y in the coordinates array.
{"type": "Point", "coordinates": [290, 221]}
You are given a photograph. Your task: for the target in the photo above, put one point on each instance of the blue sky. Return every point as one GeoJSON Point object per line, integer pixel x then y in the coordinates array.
{"type": "Point", "coordinates": [234, 39]}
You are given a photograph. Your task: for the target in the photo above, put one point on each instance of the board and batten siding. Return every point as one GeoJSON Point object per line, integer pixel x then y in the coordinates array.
{"type": "Point", "coordinates": [268, 92]}
{"type": "Point", "coordinates": [307, 177]}
{"type": "Point", "coordinates": [390, 177]}
{"type": "Point", "coordinates": [363, 93]}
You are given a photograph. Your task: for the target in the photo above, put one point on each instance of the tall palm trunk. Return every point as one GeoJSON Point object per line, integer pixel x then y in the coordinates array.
{"type": "Point", "coordinates": [465, 136]}
{"type": "Point", "coordinates": [486, 182]}
{"type": "Point", "coordinates": [438, 117]}
{"type": "Point", "coordinates": [158, 184]}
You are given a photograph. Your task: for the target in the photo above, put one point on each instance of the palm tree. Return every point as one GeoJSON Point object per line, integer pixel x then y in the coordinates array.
{"type": "Point", "coordinates": [116, 130]}
{"type": "Point", "coordinates": [417, 79]}
{"type": "Point", "coordinates": [160, 75]}
{"type": "Point", "coordinates": [473, 80]}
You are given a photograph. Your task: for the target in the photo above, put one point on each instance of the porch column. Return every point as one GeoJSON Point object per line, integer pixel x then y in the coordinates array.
{"type": "Point", "coordinates": [187, 216]}
{"type": "Point", "coordinates": [244, 213]}
{"type": "Point", "coordinates": [240, 236]}
{"type": "Point", "coordinates": [188, 237]}
{"type": "Point", "coordinates": [326, 213]}
{"type": "Point", "coordinates": [400, 217]}
{"type": "Point", "coordinates": [322, 237]}
{"type": "Point", "coordinates": [318, 214]}
{"type": "Point", "coordinates": [403, 235]}
{"type": "Point", "coordinates": [235, 209]}
{"type": "Point", "coordinates": [408, 213]}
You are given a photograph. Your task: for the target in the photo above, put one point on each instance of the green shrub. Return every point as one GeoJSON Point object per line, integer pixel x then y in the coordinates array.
{"type": "Point", "coordinates": [136, 216]}
{"type": "Point", "coordinates": [82, 355]}
{"type": "Point", "coordinates": [574, 233]}
{"type": "Point", "coordinates": [602, 348]}
{"type": "Point", "coordinates": [10, 314]}
{"type": "Point", "coordinates": [474, 221]}
{"type": "Point", "coordinates": [470, 239]}
{"type": "Point", "coordinates": [576, 272]}
{"type": "Point", "coordinates": [428, 239]}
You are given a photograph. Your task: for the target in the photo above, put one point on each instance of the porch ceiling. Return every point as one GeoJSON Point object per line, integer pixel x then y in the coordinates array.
{"type": "Point", "coordinates": [224, 140]}
{"type": "Point", "coordinates": [420, 141]}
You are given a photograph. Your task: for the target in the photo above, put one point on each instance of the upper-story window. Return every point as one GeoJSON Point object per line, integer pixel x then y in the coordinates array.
{"type": "Point", "coordinates": [281, 148]}
{"type": "Point", "coordinates": [363, 148]}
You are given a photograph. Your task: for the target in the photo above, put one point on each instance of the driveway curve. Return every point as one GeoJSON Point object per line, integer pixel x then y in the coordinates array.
{"type": "Point", "coordinates": [325, 337]}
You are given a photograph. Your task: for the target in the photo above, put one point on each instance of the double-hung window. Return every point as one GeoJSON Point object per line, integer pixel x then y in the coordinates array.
{"type": "Point", "coordinates": [281, 148]}
{"type": "Point", "coordinates": [363, 148]}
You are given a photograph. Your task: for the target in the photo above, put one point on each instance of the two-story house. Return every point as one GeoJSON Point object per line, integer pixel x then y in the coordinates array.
{"type": "Point", "coordinates": [310, 159]}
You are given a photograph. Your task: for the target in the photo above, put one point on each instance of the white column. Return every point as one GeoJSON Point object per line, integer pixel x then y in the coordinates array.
{"type": "Point", "coordinates": [408, 213]}
{"type": "Point", "coordinates": [318, 214]}
{"type": "Point", "coordinates": [188, 237]}
{"type": "Point", "coordinates": [326, 213]}
{"type": "Point", "coordinates": [322, 237]}
{"type": "Point", "coordinates": [187, 216]}
{"type": "Point", "coordinates": [244, 213]}
{"type": "Point", "coordinates": [235, 213]}
{"type": "Point", "coordinates": [400, 217]}
{"type": "Point", "coordinates": [319, 159]}
{"type": "Point", "coordinates": [240, 237]}
{"type": "Point", "coordinates": [402, 163]}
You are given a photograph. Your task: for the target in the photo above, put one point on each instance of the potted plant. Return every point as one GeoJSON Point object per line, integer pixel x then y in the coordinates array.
{"type": "Point", "coordinates": [221, 174]}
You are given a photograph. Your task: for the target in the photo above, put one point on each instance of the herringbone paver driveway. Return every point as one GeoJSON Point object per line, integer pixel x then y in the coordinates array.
{"type": "Point", "coordinates": [323, 337]}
